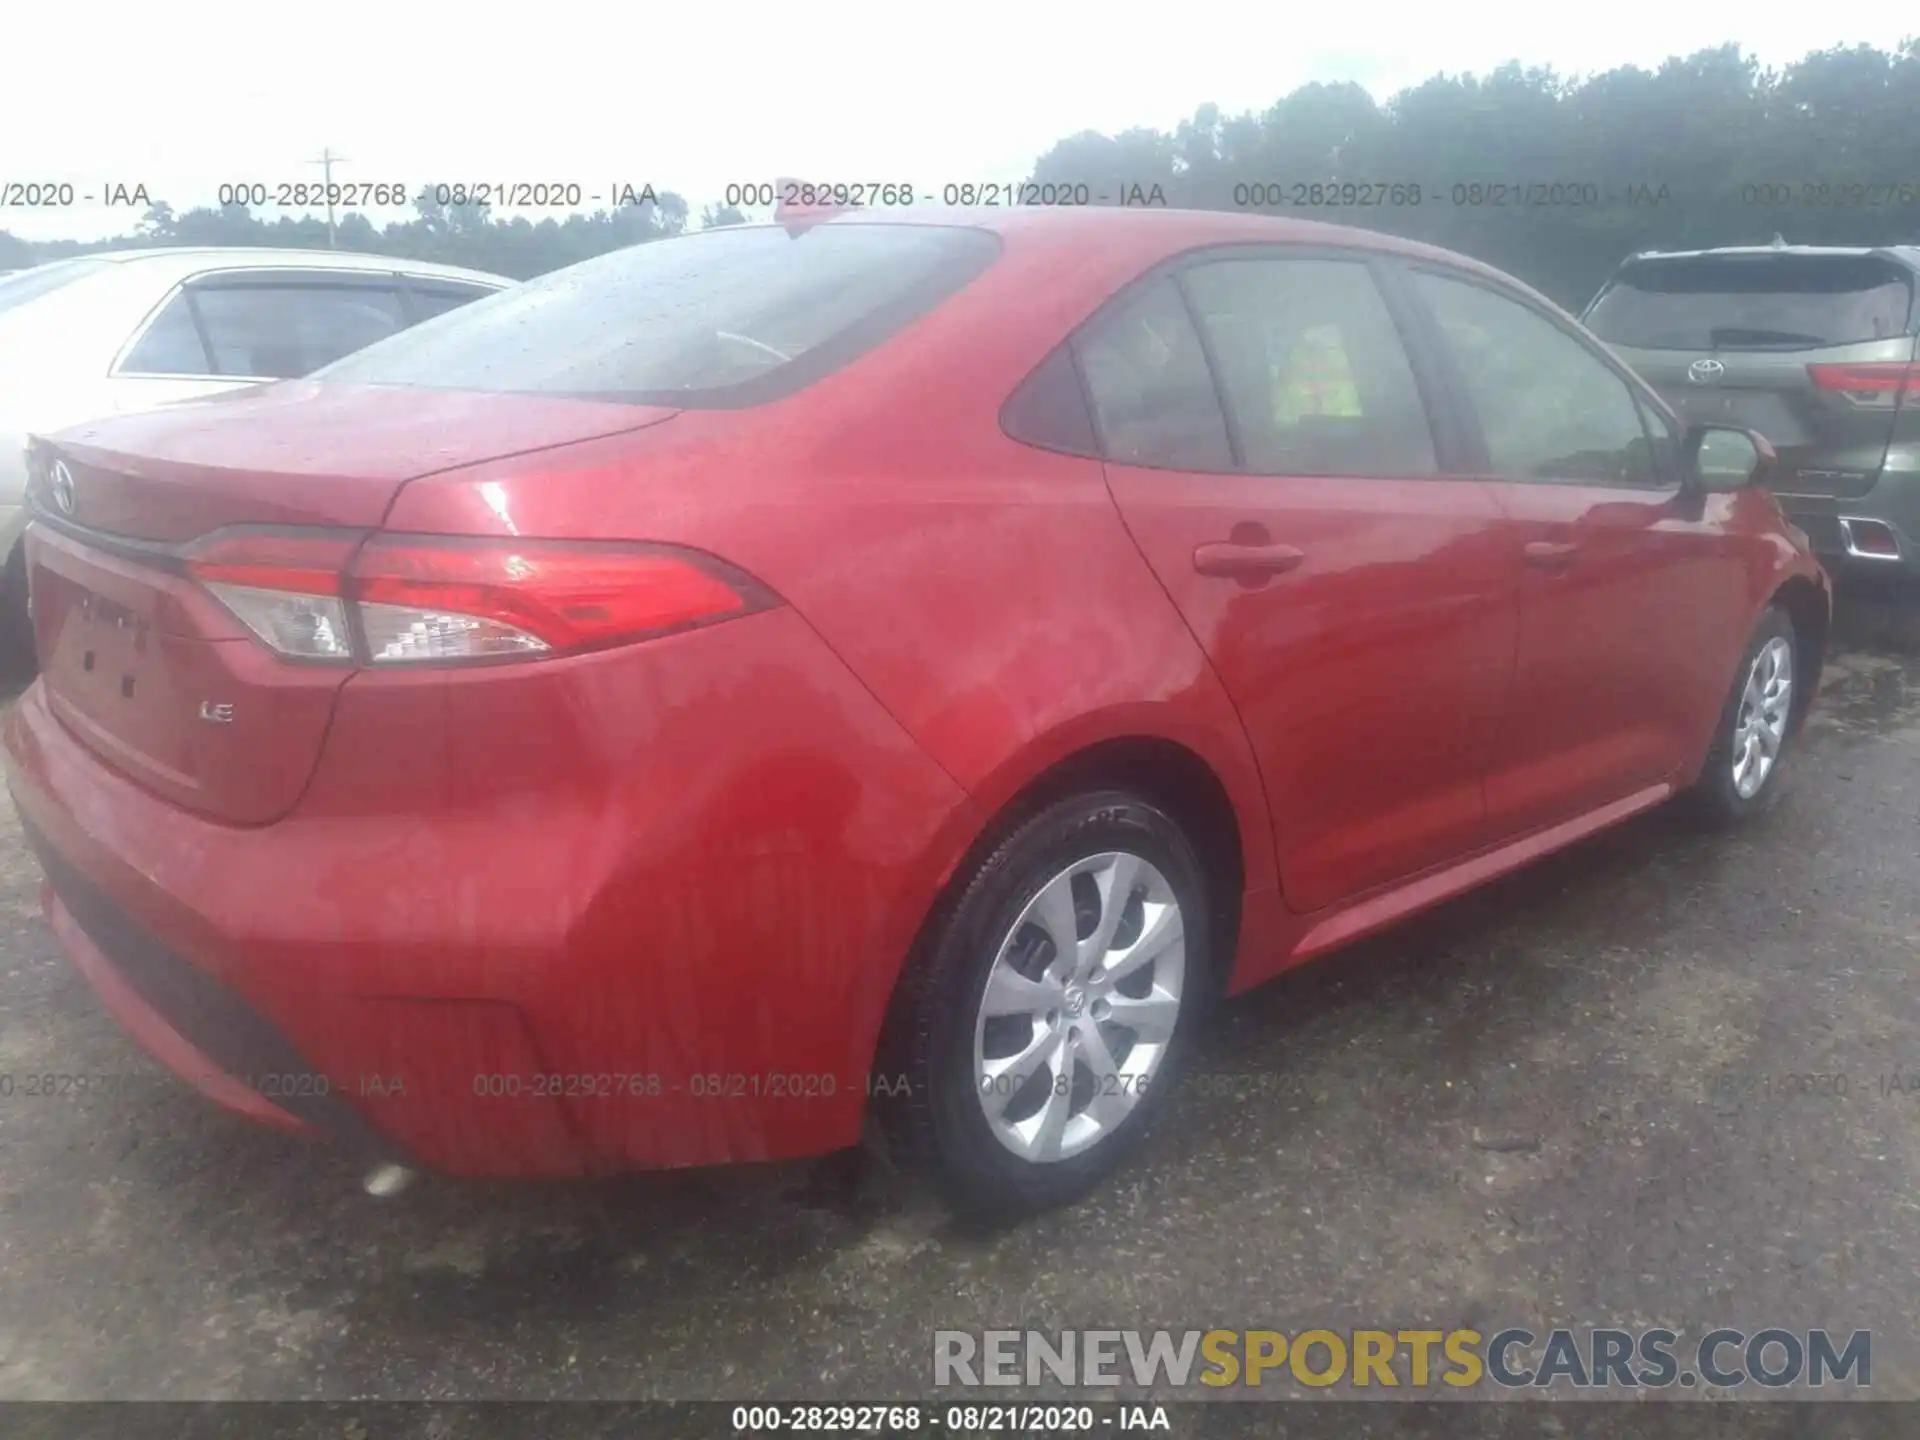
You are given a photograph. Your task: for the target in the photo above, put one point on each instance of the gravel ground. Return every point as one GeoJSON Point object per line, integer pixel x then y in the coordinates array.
{"type": "Point", "coordinates": [1547, 1104]}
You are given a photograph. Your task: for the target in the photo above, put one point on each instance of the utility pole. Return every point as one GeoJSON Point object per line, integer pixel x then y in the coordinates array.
{"type": "Point", "coordinates": [327, 161]}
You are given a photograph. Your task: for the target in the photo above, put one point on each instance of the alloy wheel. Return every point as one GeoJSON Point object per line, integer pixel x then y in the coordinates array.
{"type": "Point", "coordinates": [1079, 1006]}
{"type": "Point", "coordinates": [1765, 704]}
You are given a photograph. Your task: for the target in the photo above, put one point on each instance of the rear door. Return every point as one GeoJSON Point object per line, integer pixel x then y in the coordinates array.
{"type": "Point", "coordinates": [1788, 344]}
{"type": "Point", "coordinates": [1352, 594]}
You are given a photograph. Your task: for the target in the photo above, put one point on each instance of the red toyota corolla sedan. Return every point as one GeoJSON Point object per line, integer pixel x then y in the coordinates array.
{"type": "Point", "coordinates": [672, 710]}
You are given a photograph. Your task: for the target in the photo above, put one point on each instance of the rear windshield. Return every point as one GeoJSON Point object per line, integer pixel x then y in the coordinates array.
{"type": "Point", "coordinates": [727, 317]}
{"type": "Point", "coordinates": [24, 285]}
{"type": "Point", "coordinates": [1762, 302]}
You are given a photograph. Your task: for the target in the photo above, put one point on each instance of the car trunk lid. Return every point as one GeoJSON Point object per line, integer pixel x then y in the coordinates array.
{"type": "Point", "coordinates": [304, 453]}
{"type": "Point", "coordinates": [138, 660]}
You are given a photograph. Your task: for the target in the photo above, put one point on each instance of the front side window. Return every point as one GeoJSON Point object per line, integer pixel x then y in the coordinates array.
{"type": "Point", "coordinates": [1153, 398]}
{"type": "Point", "coordinates": [724, 318]}
{"type": "Point", "coordinates": [1666, 440]}
{"type": "Point", "coordinates": [1313, 368]}
{"type": "Point", "coordinates": [1549, 408]}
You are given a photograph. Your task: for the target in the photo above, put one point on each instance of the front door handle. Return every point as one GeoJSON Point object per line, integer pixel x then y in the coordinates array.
{"type": "Point", "coordinates": [1245, 562]}
{"type": "Point", "coordinates": [1550, 554]}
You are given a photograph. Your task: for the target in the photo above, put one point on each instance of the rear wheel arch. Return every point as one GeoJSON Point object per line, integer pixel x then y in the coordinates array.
{"type": "Point", "coordinates": [1171, 776]}
{"type": "Point", "coordinates": [1164, 772]}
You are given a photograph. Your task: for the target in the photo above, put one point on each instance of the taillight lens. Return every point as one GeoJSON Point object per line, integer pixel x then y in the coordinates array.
{"type": "Point", "coordinates": [283, 587]}
{"type": "Point", "coordinates": [418, 598]}
{"type": "Point", "coordinates": [427, 599]}
{"type": "Point", "coordinates": [1871, 387]}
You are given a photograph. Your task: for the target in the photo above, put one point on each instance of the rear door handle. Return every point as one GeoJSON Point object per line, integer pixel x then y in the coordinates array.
{"type": "Point", "coordinates": [1245, 562]}
{"type": "Point", "coordinates": [1549, 554]}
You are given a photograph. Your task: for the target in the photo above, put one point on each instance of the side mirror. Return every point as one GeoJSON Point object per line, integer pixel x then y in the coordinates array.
{"type": "Point", "coordinates": [1719, 459]}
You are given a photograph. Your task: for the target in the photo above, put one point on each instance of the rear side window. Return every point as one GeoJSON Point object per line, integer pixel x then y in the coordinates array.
{"type": "Point", "coordinates": [281, 332]}
{"type": "Point", "coordinates": [1050, 409]}
{"type": "Point", "coordinates": [170, 345]}
{"type": "Point", "coordinates": [1754, 302]}
{"type": "Point", "coordinates": [1153, 397]}
{"type": "Point", "coordinates": [431, 299]}
{"type": "Point", "coordinates": [728, 317]}
{"type": "Point", "coordinates": [1313, 368]}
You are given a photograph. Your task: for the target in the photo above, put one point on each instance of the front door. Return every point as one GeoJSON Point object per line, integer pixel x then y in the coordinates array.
{"type": "Point", "coordinates": [1630, 591]}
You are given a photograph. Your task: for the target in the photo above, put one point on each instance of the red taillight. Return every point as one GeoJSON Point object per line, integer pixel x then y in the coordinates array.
{"type": "Point", "coordinates": [284, 586]}
{"type": "Point", "coordinates": [1879, 386]}
{"type": "Point", "coordinates": [414, 598]}
{"type": "Point", "coordinates": [550, 598]}
{"type": "Point", "coordinates": [310, 564]}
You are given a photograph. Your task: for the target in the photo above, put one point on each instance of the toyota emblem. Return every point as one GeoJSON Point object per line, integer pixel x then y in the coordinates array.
{"type": "Point", "coordinates": [1705, 372]}
{"type": "Point", "coordinates": [60, 484]}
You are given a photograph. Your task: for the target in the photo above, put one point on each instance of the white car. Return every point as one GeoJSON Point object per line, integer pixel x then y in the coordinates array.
{"type": "Point", "coordinates": [132, 329]}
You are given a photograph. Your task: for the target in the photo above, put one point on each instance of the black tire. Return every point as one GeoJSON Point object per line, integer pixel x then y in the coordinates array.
{"type": "Point", "coordinates": [18, 660]}
{"type": "Point", "coordinates": [1715, 800]}
{"type": "Point", "coordinates": [939, 1120]}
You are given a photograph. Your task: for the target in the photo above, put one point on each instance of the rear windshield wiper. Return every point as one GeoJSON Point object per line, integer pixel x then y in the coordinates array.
{"type": "Point", "coordinates": [1737, 335]}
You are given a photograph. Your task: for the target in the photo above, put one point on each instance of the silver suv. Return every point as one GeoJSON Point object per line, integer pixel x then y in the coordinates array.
{"type": "Point", "coordinates": [1814, 347]}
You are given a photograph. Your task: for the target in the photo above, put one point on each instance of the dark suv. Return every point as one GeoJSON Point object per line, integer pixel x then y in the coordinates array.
{"type": "Point", "coordinates": [1815, 348]}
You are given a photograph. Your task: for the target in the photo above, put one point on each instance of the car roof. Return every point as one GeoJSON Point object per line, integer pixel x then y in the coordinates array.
{"type": "Point", "coordinates": [189, 259]}
{"type": "Point", "coordinates": [1179, 227]}
{"type": "Point", "coordinates": [1168, 231]}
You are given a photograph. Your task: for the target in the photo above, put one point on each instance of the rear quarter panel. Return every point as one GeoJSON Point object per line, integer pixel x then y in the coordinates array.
{"type": "Point", "coordinates": [985, 592]}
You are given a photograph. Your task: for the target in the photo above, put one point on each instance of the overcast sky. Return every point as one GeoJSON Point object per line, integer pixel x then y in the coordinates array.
{"type": "Point", "coordinates": [692, 97]}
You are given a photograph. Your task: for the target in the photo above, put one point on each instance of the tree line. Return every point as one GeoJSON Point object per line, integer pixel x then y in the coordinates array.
{"type": "Point", "coordinates": [1553, 178]}
{"type": "Point", "coordinates": [1557, 179]}
{"type": "Point", "coordinates": [451, 234]}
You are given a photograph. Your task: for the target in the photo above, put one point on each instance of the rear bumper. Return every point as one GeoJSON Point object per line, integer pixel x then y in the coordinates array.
{"type": "Point", "coordinates": [384, 1078]}
{"type": "Point", "coordinates": [1846, 534]}
{"type": "Point", "coordinates": [198, 1028]}
{"type": "Point", "coordinates": [584, 930]}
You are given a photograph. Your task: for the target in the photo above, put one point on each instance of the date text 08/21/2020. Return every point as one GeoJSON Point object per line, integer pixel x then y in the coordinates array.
{"type": "Point", "coordinates": [1259, 194]}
